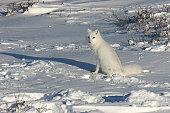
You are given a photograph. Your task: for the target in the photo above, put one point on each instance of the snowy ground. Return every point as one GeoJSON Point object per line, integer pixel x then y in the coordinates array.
{"type": "Point", "coordinates": [45, 61]}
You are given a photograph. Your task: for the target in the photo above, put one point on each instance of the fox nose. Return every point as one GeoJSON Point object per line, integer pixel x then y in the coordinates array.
{"type": "Point", "coordinates": [89, 42]}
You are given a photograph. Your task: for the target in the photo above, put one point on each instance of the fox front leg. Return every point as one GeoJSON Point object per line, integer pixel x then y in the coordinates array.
{"type": "Point", "coordinates": [97, 68]}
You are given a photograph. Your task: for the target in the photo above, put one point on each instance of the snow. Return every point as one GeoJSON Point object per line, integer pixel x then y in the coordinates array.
{"type": "Point", "coordinates": [118, 109]}
{"type": "Point", "coordinates": [146, 98]}
{"type": "Point", "coordinates": [45, 61]}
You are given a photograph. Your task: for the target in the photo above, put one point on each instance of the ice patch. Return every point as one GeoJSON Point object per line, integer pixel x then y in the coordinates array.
{"type": "Point", "coordinates": [147, 99]}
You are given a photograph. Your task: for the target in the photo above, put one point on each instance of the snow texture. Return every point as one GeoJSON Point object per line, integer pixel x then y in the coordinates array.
{"type": "Point", "coordinates": [45, 60]}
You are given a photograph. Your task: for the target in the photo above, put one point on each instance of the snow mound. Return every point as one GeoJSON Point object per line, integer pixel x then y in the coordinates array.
{"type": "Point", "coordinates": [40, 9]}
{"type": "Point", "coordinates": [49, 103]}
{"type": "Point", "coordinates": [157, 47]}
{"type": "Point", "coordinates": [128, 80]}
{"type": "Point", "coordinates": [22, 96]}
{"type": "Point", "coordinates": [73, 97]}
{"type": "Point", "coordinates": [115, 45]}
{"type": "Point", "coordinates": [147, 99]}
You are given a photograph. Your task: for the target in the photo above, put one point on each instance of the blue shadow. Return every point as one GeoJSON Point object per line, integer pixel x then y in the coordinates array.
{"type": "Point", "coordinates": [113, 99]}
{"type": "Point", "coordinates": [79, 64]}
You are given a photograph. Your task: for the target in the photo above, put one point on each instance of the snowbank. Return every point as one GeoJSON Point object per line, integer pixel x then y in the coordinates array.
{"type": "Point", "coordinates": [147, 98]}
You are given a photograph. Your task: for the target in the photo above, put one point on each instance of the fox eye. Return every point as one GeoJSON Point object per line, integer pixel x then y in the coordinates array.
{"type": "Point", "coordinates": [94, 37]}
{"type": "Point", "coordinates": [88, 37]}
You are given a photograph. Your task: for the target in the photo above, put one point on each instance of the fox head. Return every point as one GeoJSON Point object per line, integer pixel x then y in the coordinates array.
{"type": "Point", "coordinates": [93, 37]}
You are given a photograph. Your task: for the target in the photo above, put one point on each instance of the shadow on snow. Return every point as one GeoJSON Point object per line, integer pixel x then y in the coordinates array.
{"type": "Point", "coordinates": [113, 99]}
{"type": "Point", "coordinates": [82, 65]}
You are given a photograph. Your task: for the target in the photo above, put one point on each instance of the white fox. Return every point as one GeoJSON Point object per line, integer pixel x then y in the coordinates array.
{"type": "Point", "coordinates": [107, 59]}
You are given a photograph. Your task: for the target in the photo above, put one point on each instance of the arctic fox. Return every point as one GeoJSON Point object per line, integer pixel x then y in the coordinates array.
{"type": "Point", "coordinates": [107, 59]}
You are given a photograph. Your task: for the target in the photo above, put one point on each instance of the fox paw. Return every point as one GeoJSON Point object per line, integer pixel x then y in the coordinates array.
{"type": "Point", "coordinates": [93, 72]}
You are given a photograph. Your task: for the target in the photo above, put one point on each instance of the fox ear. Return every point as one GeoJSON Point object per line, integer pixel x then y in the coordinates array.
{"type": "Point", "coordinates": [97, 31]}
{"type": "Point", "coordinates": [89, 31]}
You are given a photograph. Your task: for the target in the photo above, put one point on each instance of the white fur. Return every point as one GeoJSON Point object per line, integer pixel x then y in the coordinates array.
{"type": "Point", "coordinates": [107, 59]}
